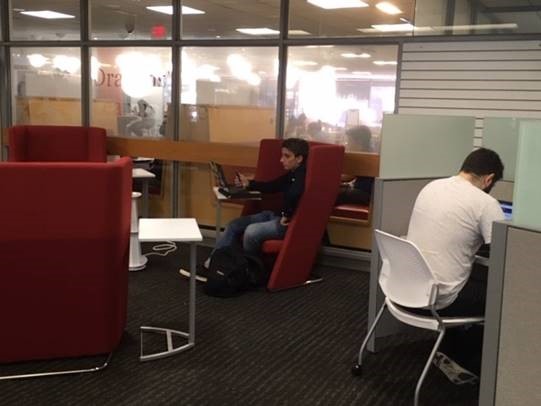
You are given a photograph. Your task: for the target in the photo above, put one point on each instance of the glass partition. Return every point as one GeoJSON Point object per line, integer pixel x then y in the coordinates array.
{"type": "Point", "coordinates": [131, 90]}
{"type": "Point", "coordinates": [416, 146]}
{"type": "Point", "coordinates": [52, 20]}
{"type": "Point", "coordinates": [231, 19]}
{"type": "Point", "coordinates": [229, 94]}
{"type": "Point", "coordinates": [46, 85]}
{"type": "Point", "coordinates": [338, 94]}
{"type": "Point", "coordinates": [527, 193]}
{"type": "Point", "coordinates": [130, 20]}
{"type": "Point", "coordinates": [501, 135]}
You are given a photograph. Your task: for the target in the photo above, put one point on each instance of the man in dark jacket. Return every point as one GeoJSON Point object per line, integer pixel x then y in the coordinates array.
{"type": "Point", "coordinates": [268, 225]}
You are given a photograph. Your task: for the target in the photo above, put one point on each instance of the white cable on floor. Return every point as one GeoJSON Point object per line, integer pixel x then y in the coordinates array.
{"type": "Point", "coordinates": [168, 247]}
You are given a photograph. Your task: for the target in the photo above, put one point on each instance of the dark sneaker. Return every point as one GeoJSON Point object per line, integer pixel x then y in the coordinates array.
{"type": "Point", "coordinates": [201, 273]}
{"type": "Point", "coordinates": [454, 372]}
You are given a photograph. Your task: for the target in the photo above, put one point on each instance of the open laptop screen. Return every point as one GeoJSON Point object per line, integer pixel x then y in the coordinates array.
{"type": "Point", "coordinates": [218, 172]}
{"type": "Point", "coordinates": [507, 208]}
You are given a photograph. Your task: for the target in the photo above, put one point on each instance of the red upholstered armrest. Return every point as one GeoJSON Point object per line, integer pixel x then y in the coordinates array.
{"type": "Point", "coordinates": [272, 246]}
{"type": "Point", "coordinates": [354, 211]}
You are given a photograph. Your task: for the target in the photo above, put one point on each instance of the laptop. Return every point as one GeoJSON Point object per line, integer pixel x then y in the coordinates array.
{"type": "Point", "coordinates": [227, 189]}
{"type": "Point", "coordinates": [507, 208]}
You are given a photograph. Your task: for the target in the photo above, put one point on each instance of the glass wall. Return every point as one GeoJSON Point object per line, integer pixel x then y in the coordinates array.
{"type": "Point", "coordinates": [57, 20]}
{"type": "Point", "coordinates": [131, 90]}
{"type": "Point", "coordinates": [231, 19]}
{"type": "Point", "coordinates": [338, 94]}
{"type": "Point", "coordinates": [465, 17]}
{"type": "Point", "coordinates": [350, 18]}
{"type": "Point", "coordinates": [46, 85]}
{"type": "Point", "coordinates": [130, 20]}
{"type": "Point", "coordinates": [229, 94]}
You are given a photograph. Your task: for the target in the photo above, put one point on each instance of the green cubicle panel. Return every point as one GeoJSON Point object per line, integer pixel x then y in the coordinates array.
{"type": "Point", "coordinates": [420, 146]}
{"type": "Point", "coordinates": [501, 135]}
{"type": "Point", "coordinates": [527, 191]}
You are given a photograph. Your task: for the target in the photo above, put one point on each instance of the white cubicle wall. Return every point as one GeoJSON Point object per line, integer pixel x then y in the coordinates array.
{"type": "Point", "coordinates": [511, 369]}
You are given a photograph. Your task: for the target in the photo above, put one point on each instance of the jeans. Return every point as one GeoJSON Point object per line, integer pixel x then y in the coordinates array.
{"type": "Point", "coordinates": [255, 228]}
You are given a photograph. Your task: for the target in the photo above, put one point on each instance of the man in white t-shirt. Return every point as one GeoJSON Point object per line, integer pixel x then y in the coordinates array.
{"type": "Point", "coordinates": [451, 219]}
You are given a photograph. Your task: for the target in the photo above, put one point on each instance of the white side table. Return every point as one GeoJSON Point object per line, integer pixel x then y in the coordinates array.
{"type": "Point", "coordinates": [144, 176]}
{"type": "Point", "coordinates": [178, 230]}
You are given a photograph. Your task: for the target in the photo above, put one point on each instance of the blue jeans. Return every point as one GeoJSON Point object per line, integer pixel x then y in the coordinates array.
{"type": "Point", "coordinates": [257, 229]}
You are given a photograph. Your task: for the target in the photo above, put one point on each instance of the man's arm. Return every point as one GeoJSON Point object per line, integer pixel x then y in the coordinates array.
{"type": "Point", "coordinates": [273, 186]}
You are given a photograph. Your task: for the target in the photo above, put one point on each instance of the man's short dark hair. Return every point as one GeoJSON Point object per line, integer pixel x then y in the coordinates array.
{"type": "Point", "coordinates": [298, 146]}
{"type": "Point", "coordinates": [359, 137]}
{"type": "Point", "coordinates": [483, 161]}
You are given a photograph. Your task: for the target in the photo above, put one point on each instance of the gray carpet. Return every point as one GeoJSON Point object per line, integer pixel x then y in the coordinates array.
{"type": "Point", "coordinates": [294, 347]}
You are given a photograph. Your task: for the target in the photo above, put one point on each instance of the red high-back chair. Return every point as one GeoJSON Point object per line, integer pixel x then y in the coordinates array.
{"type": "Point", "coordinates": [64, 249]}
{"type": "Point", "coordinates": [295, 254]}
{"type": "Point", "coordinates": [53, 143]}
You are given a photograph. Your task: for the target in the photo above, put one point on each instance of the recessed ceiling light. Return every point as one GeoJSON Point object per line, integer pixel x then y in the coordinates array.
{"type": "Point", "coordinates": [394, 27]}
{"type": "Point", "coordinates": [335, 4]}
{"type": "Point", "coordinates": [258, 31]}
{"type": "Point", "coordinates": [381, 63]}
{"type": "Point", "coordinates": [388, 8]}
{"type": "Point", "coordinates": [364, 55]}
{"type": "Point", "coordinates": [362, 72]}
{"type": "Point", "coordinates": [305, 63]}
{"type": "Point", "coordinates": [169, 10]}
{"type": "Point", "coordinates": [48, 14]}
{"type": "Point", "coordinates": [298, 32]}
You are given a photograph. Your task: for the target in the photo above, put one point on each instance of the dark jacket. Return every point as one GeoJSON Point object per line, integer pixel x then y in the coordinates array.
{"type": "Point", "coordinates": [291, 185]}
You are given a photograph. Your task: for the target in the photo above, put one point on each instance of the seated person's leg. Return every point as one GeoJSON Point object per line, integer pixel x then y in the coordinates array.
{"type": "Point", "coordinates": [234, 230]}
{"type": "Point", "coordinates": [465, 345]}
{"type": "Point", "coordinates": [236, 227]}
{"type": "Point", "coordinates": [257, 233]}
{"type": "Point", "coordinates": [353, 196]}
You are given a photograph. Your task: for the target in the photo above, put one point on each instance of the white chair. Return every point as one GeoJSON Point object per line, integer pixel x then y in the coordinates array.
{"type": "Point", "coordinates": [406, 280]}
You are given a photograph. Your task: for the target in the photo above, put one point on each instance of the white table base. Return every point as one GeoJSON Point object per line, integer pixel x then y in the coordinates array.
{"type": "Point", "coordinates": [170, 333]}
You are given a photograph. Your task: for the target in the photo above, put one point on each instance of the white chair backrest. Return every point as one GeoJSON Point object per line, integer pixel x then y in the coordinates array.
{"type": "Point", "coordinates": [405, 276]}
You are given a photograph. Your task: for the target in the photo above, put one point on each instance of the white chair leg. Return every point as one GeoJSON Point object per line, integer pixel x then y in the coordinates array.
{"type": "Point", "coordinates": [427, 366]}
{"type": "Point", "coordinates": [356, 370]}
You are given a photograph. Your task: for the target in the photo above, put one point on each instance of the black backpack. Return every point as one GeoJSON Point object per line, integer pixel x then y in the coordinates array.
{"type": "Point", "coordinates": [232, 272]}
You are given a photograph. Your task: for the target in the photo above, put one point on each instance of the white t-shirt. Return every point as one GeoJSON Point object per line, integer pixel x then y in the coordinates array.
{"type": "Point", "coordinates": [451, 219]}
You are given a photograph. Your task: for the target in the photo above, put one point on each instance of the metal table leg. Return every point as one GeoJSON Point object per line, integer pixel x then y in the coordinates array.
{"type": "Point", "coordinates": [218, 219]}
{"type": "Point", "coordinates": [169, 333]}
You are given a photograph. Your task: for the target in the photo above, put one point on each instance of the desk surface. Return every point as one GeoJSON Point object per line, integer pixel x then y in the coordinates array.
{"type": "Point", "coordinates": [221, 197]}
{"type": "Point", "coordinates": [169, 229]}
{"type": "Point", "coordinates": [140, 173]}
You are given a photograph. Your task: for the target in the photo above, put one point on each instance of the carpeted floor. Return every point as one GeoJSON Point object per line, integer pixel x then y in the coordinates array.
{"type": "Point", "coordinates": [294, 347]}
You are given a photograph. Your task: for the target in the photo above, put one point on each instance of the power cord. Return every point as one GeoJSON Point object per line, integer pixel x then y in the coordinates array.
{"type": "Point", "coordinates": [168, 247]}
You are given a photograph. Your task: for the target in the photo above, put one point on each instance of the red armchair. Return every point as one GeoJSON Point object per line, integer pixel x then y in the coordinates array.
{"type": "Point", "coordinates": [53, 143]}
{"type": "Point", "coordinates": [295, 254]}
{"type": "Point", "coordinates": [64, 244]}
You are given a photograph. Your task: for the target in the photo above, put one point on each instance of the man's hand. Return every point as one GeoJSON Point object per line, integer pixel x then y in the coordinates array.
{"type": "Point", "coordinates": [284, 221]}
{"type": "Point", "coordinates": [241, 180]}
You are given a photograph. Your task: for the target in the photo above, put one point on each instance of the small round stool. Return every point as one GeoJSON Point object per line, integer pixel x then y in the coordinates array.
{"type": "Point", "coordinates": [137, 261]}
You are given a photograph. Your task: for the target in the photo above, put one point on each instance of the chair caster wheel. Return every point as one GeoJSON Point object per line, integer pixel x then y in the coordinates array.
{"type": "Point", "coordinates": [357, 370]}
